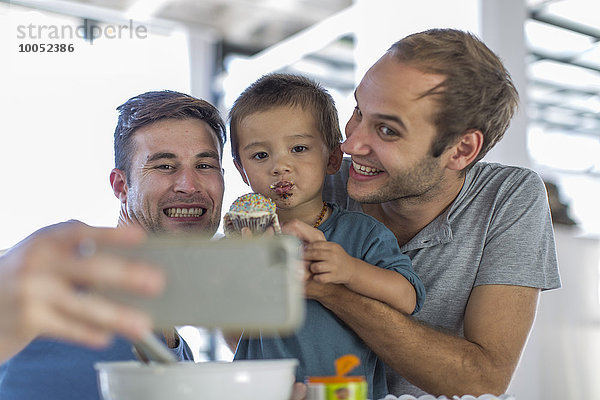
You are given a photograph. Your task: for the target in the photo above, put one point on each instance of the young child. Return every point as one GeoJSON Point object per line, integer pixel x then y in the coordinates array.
{"type": "Point", "coordinates": [285, 139]}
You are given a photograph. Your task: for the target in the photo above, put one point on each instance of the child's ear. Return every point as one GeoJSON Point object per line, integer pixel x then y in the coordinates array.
{"type": "Point", "coordinates": [335, 160]}
{"type": "Point", "coordinates": [241, 171]}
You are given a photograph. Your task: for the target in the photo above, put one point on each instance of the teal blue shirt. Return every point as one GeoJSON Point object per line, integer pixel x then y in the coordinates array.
{"type": "Point", "coordinates": [54, 370]}
{"type": "Point", "coordinates": [323, 337]}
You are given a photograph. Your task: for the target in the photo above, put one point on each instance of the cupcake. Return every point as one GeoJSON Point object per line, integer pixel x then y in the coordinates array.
{"type": "Point", "coordinates": [252, 210]}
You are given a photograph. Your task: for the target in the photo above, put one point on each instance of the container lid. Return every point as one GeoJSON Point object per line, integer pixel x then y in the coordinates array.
{"type": "Point", "coordinates": [343, 365]}
{"type": "Point", "coordinates": [334, 379]}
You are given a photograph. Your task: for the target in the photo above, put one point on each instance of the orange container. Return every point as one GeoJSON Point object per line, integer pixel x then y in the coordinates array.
{"type": "Point", "coordinates": [339, 387]}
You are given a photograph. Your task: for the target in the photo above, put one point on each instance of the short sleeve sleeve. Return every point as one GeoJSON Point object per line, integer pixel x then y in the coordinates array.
{"type": "Point", "coordinates": [519, 248]}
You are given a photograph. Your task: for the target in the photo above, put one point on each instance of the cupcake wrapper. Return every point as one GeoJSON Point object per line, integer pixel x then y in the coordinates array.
{"type": "Point", "coordinates": [233, 224]}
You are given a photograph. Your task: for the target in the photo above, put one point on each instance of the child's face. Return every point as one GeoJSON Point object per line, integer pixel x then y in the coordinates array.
{"type": "Point", "coordinates": [284, 156]}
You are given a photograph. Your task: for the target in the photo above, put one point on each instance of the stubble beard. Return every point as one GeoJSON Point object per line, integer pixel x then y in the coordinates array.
{"type": "Point", "coordinates": [417, 184]}
{"type": "Point", "coordinates": [146, 220]}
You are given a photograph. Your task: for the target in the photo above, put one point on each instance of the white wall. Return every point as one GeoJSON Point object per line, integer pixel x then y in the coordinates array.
{"type": "Point", "coordinates": [58, 119]}
{"type": "Point", "coordinates": [562, 358]}
{"type": "Point", "coordinates": [502, 30]}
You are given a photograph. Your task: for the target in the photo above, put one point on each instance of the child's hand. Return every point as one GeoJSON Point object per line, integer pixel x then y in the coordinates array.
{"type": "Point", "coordinates": [246, 233]}
{"type": "Point", "coordinates": [307, 234]}
{"type": "Point", "coordinates": [329, 262]}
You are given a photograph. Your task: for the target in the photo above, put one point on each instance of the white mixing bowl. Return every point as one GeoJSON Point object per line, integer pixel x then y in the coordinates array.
{"type": "Point", "coordinates": [260, 379]}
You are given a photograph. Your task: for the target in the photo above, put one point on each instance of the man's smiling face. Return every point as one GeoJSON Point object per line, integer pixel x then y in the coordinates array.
{"type": "Point", "coordinates": [176, 179]}
{"type": "Point", "coordinates": [390, 133]}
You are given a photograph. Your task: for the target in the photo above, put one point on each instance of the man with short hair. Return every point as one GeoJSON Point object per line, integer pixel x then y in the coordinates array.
{"type": "Point", "coordinates": [479, 234]}
{"type": "Point", "coordinates": [168, 177]}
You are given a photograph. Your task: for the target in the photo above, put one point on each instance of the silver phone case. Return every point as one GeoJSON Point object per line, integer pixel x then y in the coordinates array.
{"type": "Point", "coordinates": [230, 284]}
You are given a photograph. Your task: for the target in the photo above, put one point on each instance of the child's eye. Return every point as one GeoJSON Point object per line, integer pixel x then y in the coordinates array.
{"type": "Point", "coordinates": [260, 155]}
{"type": "Point", "coordinates": [299, 149]}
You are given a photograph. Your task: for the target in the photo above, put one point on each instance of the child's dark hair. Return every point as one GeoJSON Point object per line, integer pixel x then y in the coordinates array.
{"type": "Point", "coordinates": [275, 90]}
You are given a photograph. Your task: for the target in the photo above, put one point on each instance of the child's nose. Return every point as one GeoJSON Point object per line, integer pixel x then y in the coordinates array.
{"type": "Point", "coordinates": [281, 165]}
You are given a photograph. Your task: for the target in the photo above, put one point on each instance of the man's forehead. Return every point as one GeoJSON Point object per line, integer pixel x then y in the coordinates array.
{"type": "Point", "coordinates": [177, 136]}
{"type": "Point", "coordinates": [399, 92]}
{"type": "Point", "coordinates": [411, 78]}
{"type": "Point", "coordinates": [166, 155]}
{"type": "Point", "coordinates": [177, 125]}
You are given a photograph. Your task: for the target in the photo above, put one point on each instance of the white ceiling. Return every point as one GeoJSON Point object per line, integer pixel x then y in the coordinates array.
{"type": "Point", "coordinates": [251, 24]}
{"type": "Point", "coordinates": [562, 38]}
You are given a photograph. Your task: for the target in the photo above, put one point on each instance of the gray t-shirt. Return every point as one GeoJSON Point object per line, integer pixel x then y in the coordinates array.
{"type": "Point", "coordinates": [497, 231]}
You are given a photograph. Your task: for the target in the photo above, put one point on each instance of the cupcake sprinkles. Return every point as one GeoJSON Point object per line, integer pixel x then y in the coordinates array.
{"type": "Point", "coordinates": [252, 210]}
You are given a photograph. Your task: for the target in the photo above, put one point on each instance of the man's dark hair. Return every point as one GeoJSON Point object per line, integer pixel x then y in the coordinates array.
{"type": "Point", "coordinates": [151, 107]}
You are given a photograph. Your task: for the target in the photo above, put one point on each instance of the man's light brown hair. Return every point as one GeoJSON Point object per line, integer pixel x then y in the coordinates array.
{"type": "Point", "coordinates": [477, 94]}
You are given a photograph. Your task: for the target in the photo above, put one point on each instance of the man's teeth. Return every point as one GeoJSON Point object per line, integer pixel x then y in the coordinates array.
{"type": "Point", "coordinates": [364, 170]}
{"type": "Point", "coordinates": [184, 212]}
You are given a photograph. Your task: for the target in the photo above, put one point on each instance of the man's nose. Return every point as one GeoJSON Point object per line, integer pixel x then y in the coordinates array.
{"type": "Point", "coordinates": [357, 139]}
{"type": "Point", "coordinates": [186, 181]}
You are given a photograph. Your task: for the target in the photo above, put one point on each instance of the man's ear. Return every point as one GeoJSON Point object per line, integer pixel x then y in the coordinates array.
{"type": "Point", "coordinates": [118, 181]}
{"type": "Point", "coordinates": [242, 171]}
{"type": "Point", "coordinates": [465, 150]}
{"type": "Point", "coordinates": [335, 160]}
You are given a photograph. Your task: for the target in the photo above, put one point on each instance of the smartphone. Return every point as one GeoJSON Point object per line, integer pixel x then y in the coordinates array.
{"type": "Point", "coordinates": [229, 284]}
